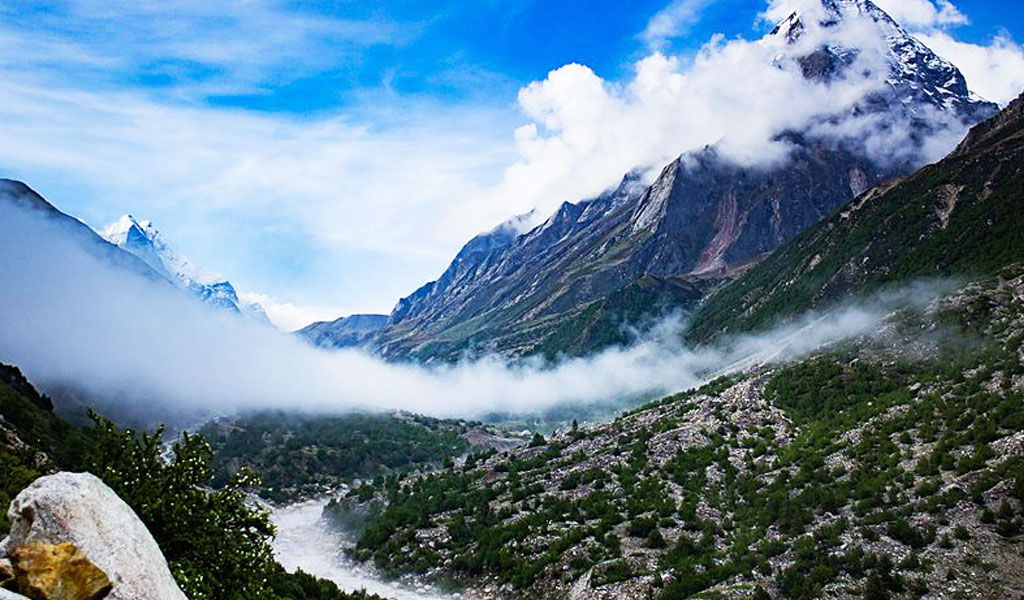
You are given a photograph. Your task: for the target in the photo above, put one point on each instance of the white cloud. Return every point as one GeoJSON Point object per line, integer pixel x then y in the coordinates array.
{"type": "Point", "coordinates": [195, 47]}
{"type": "Point", "coordinates": [916, 14]}
{"type": "Point", "coordinates": [994, 71]}
{"type": "Point", "coordinates": [586, 132]}
{"type": "Point", "coordinates": [409, 180]}
{"type": "Point", "coordinates": [673, 21]}
{"type": "Point", "coordinates": [288, 316]}
{"type": "Point", "coordinates": [217, 177]}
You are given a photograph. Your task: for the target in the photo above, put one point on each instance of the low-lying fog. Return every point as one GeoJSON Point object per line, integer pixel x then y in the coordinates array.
{"type": "Point", "coordinates": [67, 317]}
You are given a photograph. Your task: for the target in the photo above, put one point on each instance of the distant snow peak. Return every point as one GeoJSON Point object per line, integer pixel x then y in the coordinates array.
{"type": "Point", "coordinates": [142, 239]}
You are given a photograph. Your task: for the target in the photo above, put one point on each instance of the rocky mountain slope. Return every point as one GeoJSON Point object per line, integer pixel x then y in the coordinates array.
{"type": "Point", "coordinates": [571, 283]}
{"type": "Point", "coordinates": [143, 240]}
{"type": "Point", "coordinates": [890, 467]}
{"type": "Point", "coordinates": [959, 217]}
{"type": "Point", "coordinates": [353, 331]}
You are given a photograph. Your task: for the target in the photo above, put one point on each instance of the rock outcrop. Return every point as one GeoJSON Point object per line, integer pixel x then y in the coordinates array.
{"type": "Point", "coordinates": [80, 509]}
{"type": "Point", "coordinates": [58, 572]}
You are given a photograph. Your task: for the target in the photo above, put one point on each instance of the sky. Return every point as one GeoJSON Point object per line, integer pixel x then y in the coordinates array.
{"type": "Point", "coordinates": [330, 157]}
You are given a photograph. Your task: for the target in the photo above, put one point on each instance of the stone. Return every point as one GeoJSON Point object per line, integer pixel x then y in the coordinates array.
{"type": "Point", "coordinates": [79, 508]}
{"type": "Point", "coordinates": [9, 595]}
{"type": "Point", "coordinates": [58, 572]}
{"type": "Point", "coordinates": [6, 571]}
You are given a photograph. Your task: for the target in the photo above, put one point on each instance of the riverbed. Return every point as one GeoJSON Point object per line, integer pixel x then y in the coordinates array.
{"type": "Point", "coordinates": [306, 541]}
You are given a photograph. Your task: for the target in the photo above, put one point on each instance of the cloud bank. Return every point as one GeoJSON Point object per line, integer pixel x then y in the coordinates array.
{"type": "Point", "coordinates": [68, 318]}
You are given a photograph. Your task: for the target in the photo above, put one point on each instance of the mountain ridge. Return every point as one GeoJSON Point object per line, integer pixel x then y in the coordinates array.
{"type": "Point", "coordinates": [919, 226]}
{"type": "Point", "coordinates": [888, 466]}
{"type": "Point", "coordinates": [705, 218]}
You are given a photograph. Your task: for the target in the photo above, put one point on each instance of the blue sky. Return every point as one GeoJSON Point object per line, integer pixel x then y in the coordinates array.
{"type": "Point", "coordinates": [335, 155]}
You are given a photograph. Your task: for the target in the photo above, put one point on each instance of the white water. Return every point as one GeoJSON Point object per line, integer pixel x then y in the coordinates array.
{"type": "Point", "coordinates": [305, 540]}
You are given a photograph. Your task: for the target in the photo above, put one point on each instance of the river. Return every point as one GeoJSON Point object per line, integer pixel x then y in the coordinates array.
{"type": "Point", "coordinates": [304, 540]}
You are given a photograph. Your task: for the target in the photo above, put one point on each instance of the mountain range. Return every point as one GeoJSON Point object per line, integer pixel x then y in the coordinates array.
{"type": "Point", "coordinates": [574, 283]}
{"type": "Point", "coordinates": [133, 247]}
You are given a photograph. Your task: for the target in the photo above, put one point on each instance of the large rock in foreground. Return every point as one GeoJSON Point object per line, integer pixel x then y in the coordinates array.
{"type": "Point", "coordinates": [81, 509]}
{"type": "Point", "coordinates": [58, 572]}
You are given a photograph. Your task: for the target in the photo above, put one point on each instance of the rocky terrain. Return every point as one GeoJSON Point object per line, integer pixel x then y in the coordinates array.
{"type": "Point", "coordinates": [72, 538]}
{"type": "Point", "coordinates": [353, 331]}
{"type": "Point", "coordinates": [892, 467]}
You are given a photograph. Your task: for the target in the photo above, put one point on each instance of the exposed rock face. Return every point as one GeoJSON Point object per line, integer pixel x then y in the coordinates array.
{"type": "Point", "coordinates": [959, 216]}
{"type": "Point", "coordinates": [58, 572]}
{"type": "Point", "coordinates": [78, 508]}
{"type": "Point", "coordinates": [6, 571]}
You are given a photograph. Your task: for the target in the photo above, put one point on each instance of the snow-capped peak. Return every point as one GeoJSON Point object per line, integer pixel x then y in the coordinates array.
{"type": "Point", "coordinates": [141, 236]}
{"type": "Point", "coordinates": [142, 239]}
{"type": "Point", "coordinates": [857, 43]}
{"type": "Point", "coordinates": [119, 231]}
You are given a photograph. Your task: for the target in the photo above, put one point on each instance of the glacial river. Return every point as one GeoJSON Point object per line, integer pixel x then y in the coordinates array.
{"type": "Point", "coordinates": [304, 540]}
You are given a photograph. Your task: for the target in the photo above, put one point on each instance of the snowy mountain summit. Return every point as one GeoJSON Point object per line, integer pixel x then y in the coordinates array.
{"type": "Point", "coordinates": [858, 43]}
{"type": "Point", "coordinates": [143, 240]}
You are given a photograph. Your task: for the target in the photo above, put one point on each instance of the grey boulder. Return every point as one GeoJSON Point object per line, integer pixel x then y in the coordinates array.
{"type": "Point", "coordinates": [79, 508]}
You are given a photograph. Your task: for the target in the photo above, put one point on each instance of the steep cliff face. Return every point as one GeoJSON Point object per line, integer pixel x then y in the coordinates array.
{"type": "Point", "coordinates": [959, 217]}
{"type": "Point", "coordinates": [706, 216]}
